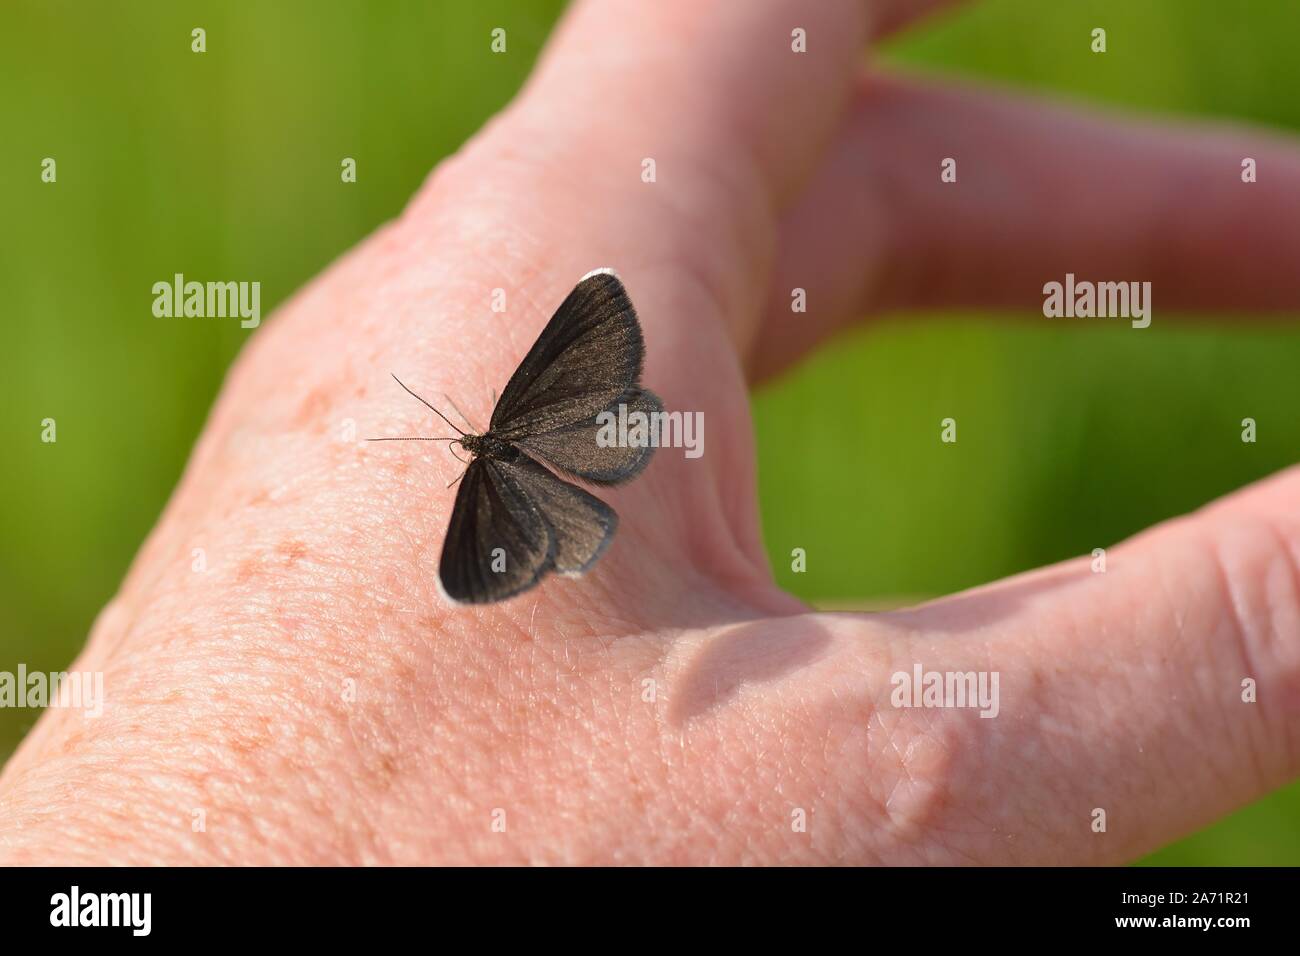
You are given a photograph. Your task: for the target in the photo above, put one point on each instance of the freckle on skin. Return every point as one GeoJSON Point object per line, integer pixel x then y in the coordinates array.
{"type": "Point", "coordinates": [313, 409]}
{"type": "Point", "coordinates": [246, 571]}
{"type": "Point", "coordinates": [404, 675]}
{"type": "Point", "coordinates": [250, 740]}
{"type": "Point", "coordinates": [385, 773]}
{"type": "Point", "coordinates": [292, 550]}
{"type": "Point", "coordinates": [72, 742]}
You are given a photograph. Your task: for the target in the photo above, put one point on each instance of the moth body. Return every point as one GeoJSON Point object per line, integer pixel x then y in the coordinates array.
{"type": "Point", "coordinates": [488, 446]}
{"type": "Point", "coordinates": [515, 520]}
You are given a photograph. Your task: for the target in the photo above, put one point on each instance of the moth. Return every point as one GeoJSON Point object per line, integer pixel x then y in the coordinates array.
{"type": "Point", "coordinates": [515, 519]}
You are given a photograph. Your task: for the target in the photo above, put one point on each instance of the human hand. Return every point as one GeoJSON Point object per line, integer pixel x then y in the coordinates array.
{"type": "Point", "coordinates": [231, 691]}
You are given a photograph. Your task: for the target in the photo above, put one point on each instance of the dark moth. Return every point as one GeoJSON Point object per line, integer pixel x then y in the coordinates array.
{"type": "Point", "coordinates": [515, 520]}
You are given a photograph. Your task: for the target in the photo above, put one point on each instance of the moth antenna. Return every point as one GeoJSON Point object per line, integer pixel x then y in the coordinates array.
{"type": "Point", "coordinates": [456, 409]}
{"type": "Point", "coordinates": [426, 404]}
{"type": "Point", "coordinates": [413, 438]}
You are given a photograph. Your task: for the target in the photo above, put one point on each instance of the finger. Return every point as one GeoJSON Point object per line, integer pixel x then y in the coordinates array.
{"type": "Point", "coordinates": [676, 133]}
{"type": "Point", "coordinates": [759, 82]}
{"type": "Point", "coordinates": [1040, 190]}
{"type": "Point", "coordinates": [1121, 690]}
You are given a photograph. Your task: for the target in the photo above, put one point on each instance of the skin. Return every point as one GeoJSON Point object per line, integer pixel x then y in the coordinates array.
{"type": "Point", "coordinates": [228, 690]}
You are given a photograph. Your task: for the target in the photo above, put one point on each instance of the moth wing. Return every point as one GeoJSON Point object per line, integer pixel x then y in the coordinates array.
{"type": "Point", "coordinates": [576, 450]}
{"type": "Point", "coordinates": [497, 543]}
{"type": "Point", "coordinates": [589, 353]}
{"type": "Point", "coordinates": [580, 524]}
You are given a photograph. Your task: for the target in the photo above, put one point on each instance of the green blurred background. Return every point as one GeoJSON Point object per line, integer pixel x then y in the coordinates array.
{"type": "Point", "coordinates": [226, 164]}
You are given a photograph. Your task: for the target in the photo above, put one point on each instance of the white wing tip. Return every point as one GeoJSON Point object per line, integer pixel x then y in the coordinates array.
{"type": "Point", "coordinates": [442, 592]}
{"type": "Point", "coordinates": [603, 270]}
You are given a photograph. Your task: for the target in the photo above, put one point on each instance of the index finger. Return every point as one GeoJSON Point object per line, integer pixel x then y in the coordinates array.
{"type": "Point", "coordinates": [676, 132]}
